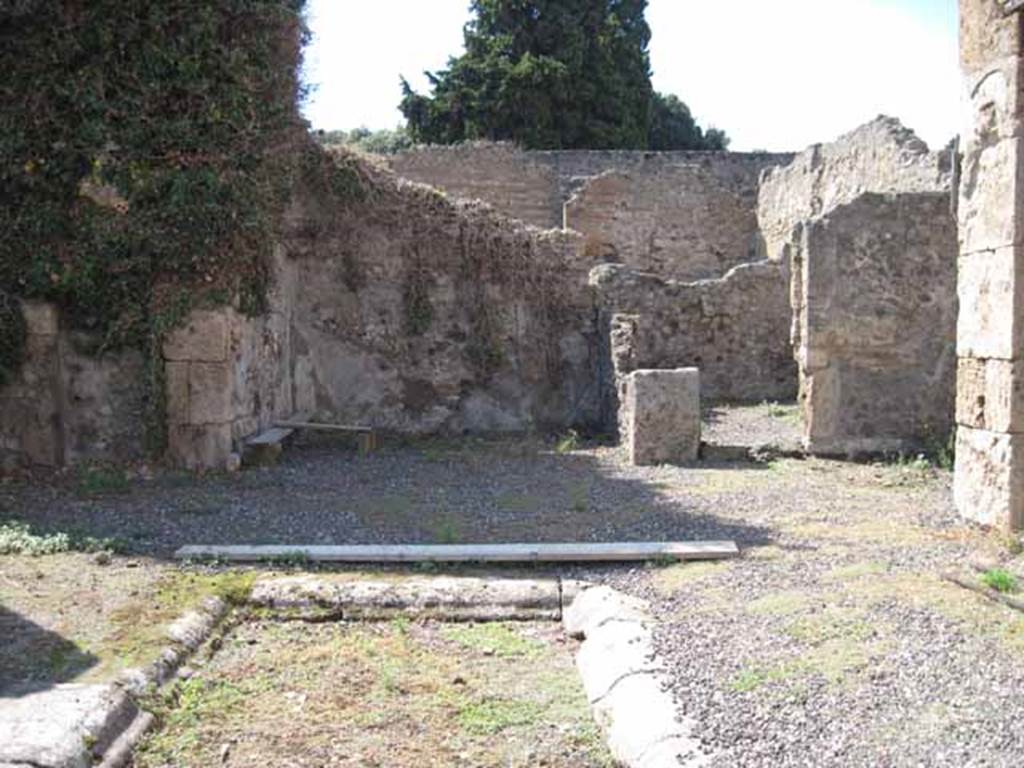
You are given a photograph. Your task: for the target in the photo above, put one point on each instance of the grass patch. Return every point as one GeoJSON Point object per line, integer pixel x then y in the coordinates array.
{"type": "Point", "coordinates": [672, 578]}
{"type": "Point", "coordinates": [493, 638]}
{"type": "Point", "coordinates": [780, 603]}
{"type": "Point", "coordinates": [568, 443]}
{"type": "Point", "coordinates": [446, 530]}
{"type": "Point", "coordinates": [856, 571]}
{"type": "Point", "coordinates": [519, 503]}
{"type": "Point", "coordinates": [494, 715]}
{"type": "Point", "coordinates": [1000, 580]}
{"type": "Point", "coordinates": [20, 539]}
{"type": "Point", "coordinates": [102, 481]}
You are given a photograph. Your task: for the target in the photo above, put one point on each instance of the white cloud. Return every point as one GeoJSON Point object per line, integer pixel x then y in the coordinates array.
{"type": "Point", "coordinates": [775, 75]}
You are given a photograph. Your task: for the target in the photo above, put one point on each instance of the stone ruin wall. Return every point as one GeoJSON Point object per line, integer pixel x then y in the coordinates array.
{"type": "Point", "coordinates": [877, 320]}
{"type": "Point", "coordinates": [734, 329]}
{"type": "Point", "coordinates": [68, 405]}
{"type": "Point", "coordinates": [420, 314]}
{"type": "Point", "coordinates": [685, 215]}
{"type": "Point", "coordinates": [414, 312]}
{"type": "Point", "coordinates": [881, 156]}
{"type": "Point", "coordinates": [228, 378]}
{"type": "Point", "coordinates": [866, 228]}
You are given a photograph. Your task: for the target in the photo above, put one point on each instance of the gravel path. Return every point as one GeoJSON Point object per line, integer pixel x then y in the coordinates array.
{"type": "Point", "coordinates": [833, 641]}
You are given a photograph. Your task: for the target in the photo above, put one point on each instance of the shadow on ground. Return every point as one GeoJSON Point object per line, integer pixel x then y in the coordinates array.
{"type": "Point", "coordinates": [34, 658]}
{"type": "Point", "coordinates": [433, 491]}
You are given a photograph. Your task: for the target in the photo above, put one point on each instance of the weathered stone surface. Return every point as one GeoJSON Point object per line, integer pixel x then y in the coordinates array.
{"type": "Point", "coordinates": [688, 220]}
{"type": "Point", "coordinates": [439, 597]}
{"type": "Point", "coordinates": [200, 446]}
{"type": "Point", "coordinates": [417, 314]}
{"type": "Point", "coordinates": [66, 726]}
{"type": "Point", "coordinates": [68, 405]}
{"type": "Point", "coordinates": [991, 292]}
{"type": "Point", "coordinates": [638, 716]}
{"type": "Point", "coordinates": [102, 402]}
{"type": "Point", "coordinates": [176, 376]}
{"type": "Point", "coordinates": [875, 316]}
{"type": "Point", "coordinates": [613, 651]}
{"type": "Point", "coordinates": [210, 390]}
{"type": "Point", "coordinates": [986, 35]}
{"type": "Point", "coordinates": [41, 317]}
{"type": "Point", "coordinates": [594, 606]}
{"type": "Point", "coordinates": [686, 215]}
{"type": "Point", "coordinates": [991, 186]}
{"type": "Point", "coordinates": [661, 416]}
{"type": "Point", "coordinates": [734, 329]}
{"type": "Point", "coordinates": [203, 338]}
{"type": "Point", "coordinates": [990, 394]}
{"type": "Point", "coordinates": [988, 484]}
{"type": "Point", "coordinates": [881, 157]}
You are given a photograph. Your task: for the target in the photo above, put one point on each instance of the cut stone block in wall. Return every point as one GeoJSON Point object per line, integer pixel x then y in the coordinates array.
{"type": "Point", "coordinates": [227, 377]}
{"type": "Point", "coordinates": [661, 416]}
{"type": "Point", "coordinates": [875, 305]}
{"type": "Point", "coordinates": [989, 482]}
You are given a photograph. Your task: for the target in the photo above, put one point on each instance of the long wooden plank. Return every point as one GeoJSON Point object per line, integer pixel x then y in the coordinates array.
{"type": "Point", "coordinates": [320, 426]}
{"type": "Point", "coordinates": [461, 553]}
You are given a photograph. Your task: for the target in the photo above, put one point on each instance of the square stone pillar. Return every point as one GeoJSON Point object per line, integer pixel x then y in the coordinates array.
{"type": "Point", "coordinates": [989, 483]}
{"type": "Point", "coordinates": [661, 416]}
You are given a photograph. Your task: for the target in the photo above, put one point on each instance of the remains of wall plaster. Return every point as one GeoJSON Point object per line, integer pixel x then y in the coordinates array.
{"type": "Point", "coordinates": [989, 482]}
{"type": "Point", "coordinates": [734, 329]}
{"type": "Point", "coordinates": [66, 404]}
{"type": "Point", "coordinates": [419, 314]}
{"type": "Point", "coordinates": [876, 318]}
{"type": "Point", "coordinates": [686, 215]}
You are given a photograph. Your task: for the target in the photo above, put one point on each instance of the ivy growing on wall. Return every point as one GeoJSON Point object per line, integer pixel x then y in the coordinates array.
{"type": "Point", "coordinates": [147, 148]}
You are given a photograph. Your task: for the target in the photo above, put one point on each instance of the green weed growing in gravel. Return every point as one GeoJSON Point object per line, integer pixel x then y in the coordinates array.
{"type": "Point", "coordinates": [493, 715]}
{"type": "Point", "coordinates": [493, 638]}
{"type": "Point", "coordinates": [999, 580]}
{"type": "Point", "coordinates": [447, 530]}
{"type": "Point", "coordinates": [99, 481]}
{"type": "Point", "coordinates": [19, 539]}
{"type": "Point", "coordinates": [568, 443]}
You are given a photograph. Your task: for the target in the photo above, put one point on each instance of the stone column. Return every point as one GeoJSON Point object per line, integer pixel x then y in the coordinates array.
{"type": "Point", "coordinates": [989, 484]}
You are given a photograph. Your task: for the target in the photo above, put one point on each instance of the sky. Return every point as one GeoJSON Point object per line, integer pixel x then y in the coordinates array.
{"type": "Point", "coordinates": [777, 75]}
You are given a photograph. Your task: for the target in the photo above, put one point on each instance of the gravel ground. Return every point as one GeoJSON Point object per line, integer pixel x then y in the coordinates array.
{"type": "Point", "coordinates": [833, 641]}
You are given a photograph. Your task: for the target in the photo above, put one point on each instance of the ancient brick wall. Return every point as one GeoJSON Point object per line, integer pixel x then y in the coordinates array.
{"type": "Point", "coordinates": [68, 405]}
{"type": "Point", "coordinates": [686, 215]}
{"type": "Point", "coordinates": [735, 329]}
{"type": "Point", "coordinates": [875, 312]}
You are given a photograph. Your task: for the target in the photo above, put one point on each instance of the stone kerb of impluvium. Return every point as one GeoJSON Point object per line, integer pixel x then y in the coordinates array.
{"type": "Point", "coordinates": [661, 416]}
{"type": "Point", "coordinates": [625, 684]}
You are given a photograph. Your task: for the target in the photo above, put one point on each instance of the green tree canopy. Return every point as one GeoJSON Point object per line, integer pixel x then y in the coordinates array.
{"type": "Point", "coordinates": [554, 74]}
